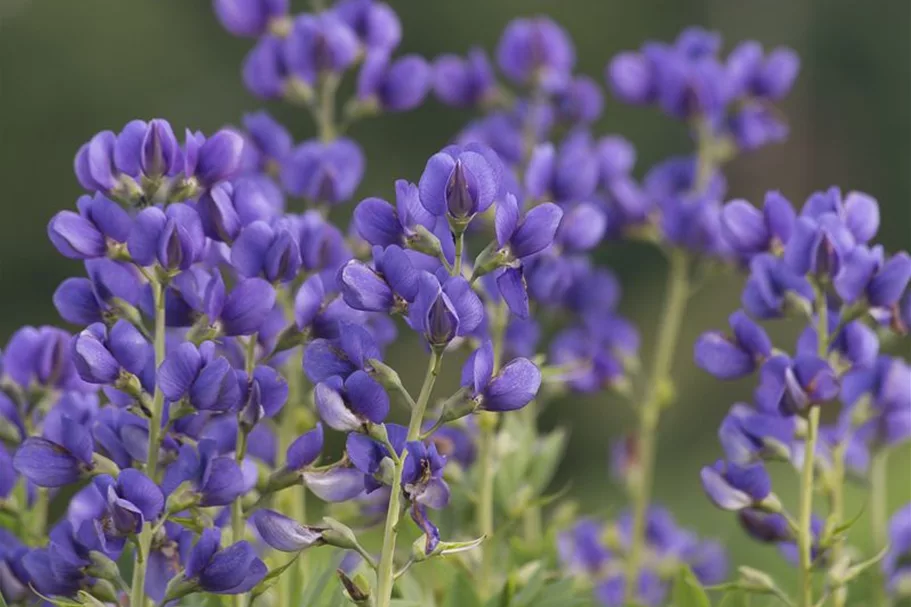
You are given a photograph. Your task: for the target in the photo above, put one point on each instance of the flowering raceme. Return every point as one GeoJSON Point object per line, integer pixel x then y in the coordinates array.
{"type": "Point", "coordinates": [223, 418]}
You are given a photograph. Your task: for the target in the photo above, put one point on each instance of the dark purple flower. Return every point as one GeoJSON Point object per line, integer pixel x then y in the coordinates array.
{"type": "Point", "coordinates": [229, 206]}
{"type": "Point", "coordinates": [443, 312]}
{"type": "Point", "coordinates": [464, 82]}
{"type": "Point", "coordinates": [865, 273]}
{"type": "Point", "coordinates": [249, 17]}
{"type": "Point", "coordinates": [232, 570]}
{"type": "Point", "coordinates": [348, 405]}
{"type": "Point", "coordinates": [513, 387]}
{"type": "Point", "coordinates": [216, 480]}
{"type": "Point", "coordinates": [375, 23]}
{"type": "Point", "coordinates": [754, 74]}
{"type": "Point", "coordinates": [736, 356]}
{"type": "Point", "coordinates": [765, 527]}
{"type": "Point", "coordinates": [265, 72]}
{"type": "Point", "coordinates": [567, 174]}
{"type": "Point", "coordinates": [773, 289]}
{"type": "Point", "coordinates": [393, 86]}
{"type": "Point", "coordinates": [207, 381]}
{"type": "Point", "coordinates": [536, 49]}
{"type": "Point", "coordinates": [749, 230]}
{"type": "Point", "coordinates": [51, 464]}
{"type": "Point", "coordinates": [305, 449]}
{"type": "Point", "coordinates": [460, 181]}
{"type": "Point", "coordinates": [319, 44]}
{"type": "Point", "coordinates": [733, 487]}
{"type": "Point", "coordinates": [85, 235]}
{"type": "Point", "coordinates": [271, 251]}
{"type": "Point", "coordinates": [351, 351]}
{"type": "Point", "coordinates": [173, 238]}
{"type": "Point", "coordinates": [747, 434]}
{"type": "Point", "coordinates": [285, 534]}
{"type": "Point", "coordinates": [100, 355]}
{"type": "Point", "coordinates": [126, 504]}
{"type": "Point", "coordinates": [525, 236]}
{"type": "Point", "coordinates": [790, 386]}
{"type": "Point", "coordinates": [422, 476]}
{"type": "Point", "coordinates": [324, 172]}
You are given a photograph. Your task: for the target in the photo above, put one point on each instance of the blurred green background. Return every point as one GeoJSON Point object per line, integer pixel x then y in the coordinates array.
{"type": "Point", "coordinates": [71, 68]}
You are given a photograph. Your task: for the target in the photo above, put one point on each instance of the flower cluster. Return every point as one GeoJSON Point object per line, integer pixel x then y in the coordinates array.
{"type": "Point", "coordinates": [819, 263]}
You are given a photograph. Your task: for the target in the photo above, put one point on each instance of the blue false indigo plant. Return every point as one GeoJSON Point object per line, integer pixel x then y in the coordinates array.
{"type": "Point", "coordinates": [226, 329]}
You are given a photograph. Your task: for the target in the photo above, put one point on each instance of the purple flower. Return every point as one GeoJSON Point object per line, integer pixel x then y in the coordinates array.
{"type": "Point", "coordinates": [773, 288]}
{"type": "Point", "coordinates": [216, 480]}
{"type": "Point", "coordinates": [750, 231]}
{"type": "Point", "coordinates": [765, 527]}
{"type": "Point", "coordinates": [568, 174]}
{"type": "Point", "coordinates": [50, 463]}
{"type": "Point", "coordinates": [422, 476]}
{"type": "Point", "coordinates": [319, 44]}
{"type": "Point", "coordinates": [818, 246]}
{"type": "Point", "coordinates": [99, 354]}
{"type": "Point", "coordinates": [250, 17]}
{"type": "Point", "coordinates": [305, 449]}
{"type": "Point", "coordinates": [110, 287]}
{"type": "Point", "coordinates": [324, 172]}
{"type": "Point", "coordinates": [651, 591]}
{"type": "Point", "coordinates": [536, 49]}
{"type": "Point", "coordinates": [351, 351]}
{"type": "Point", "coordinates": [375, 23]}
{"type": "Point", "coordinates": [865, 273]}
{"type": "Point", "coordinates": [212, 160]}
{"type": "Point", "coordinates": [207, 381]}
{"type": "Point", "coordinates": [582, 228]}
{"type": "Point", "coordinates": [232, 570]}
{"type": "Point", "coordinates": [460, 181]}
{"type": "Point", "coordinates": [748, 435]}
{"type": "Point", "coordinates": [580, 548]}
{"type": "Point", "coordinates": [464, 82]}
{"type": "Point", "coordinates": [268, 141]}
{"type": "Point", "coordinates": [733, 487]}
{"type": "Point", "coordinates": [285, 534]}
{"type": "Point", "coordinates": [85, 235]}
{"type": "Point", "coordinates": [50, 575]}
{"type": "Point", "coordinates": [125, 505]}
{"type": "Point", "coordinates": [229, 206]}
{"type": "Point", "coordinates": [730, 358]}
{"type": "Point", "coordinates": [756, 125]}
{"type": "Point", "coordinates": [267, 250]}
{"type": "Point", "coordinates": [442, 312]}
{"type": "Point", "coordinates": [393, 86]}
{"type": "Point", "coordinates": [513, 387]}
{"type": "Point", "coordinates": [265, 72]}
{"type": "Point", "coordinates": [790, 386]}
{"type": "Point", "coordinates": [367, 454]}
{"type": "Point", "coordinates": [348, 405]}
{"type": "Point", "coordinates": [580, 102]}
{"type": "Point", "coordinates": [392, 281]}
{"type": "Point", "coordinates": [755, 75]}
{"type": "Point", "coordinates": [173, 238]}
{"type": "Point", "coordinates": [94, 164]}
{"type": "Point", "coordinates": [41, 356]}
{"type": "Point", "coordinates": [242, 311]}
{"type": "Point", "coordinates": [886, 382]}
{"type": "Point", "coordinates": [336, 484]}
{"type": "Point", "coordinates": [632, 79]}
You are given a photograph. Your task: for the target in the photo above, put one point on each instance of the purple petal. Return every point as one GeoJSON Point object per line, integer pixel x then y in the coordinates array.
{"type": "Point", "coordinates": [537, 231]}
{"type": "Point", "coordinates": [219, 157]}
{"type": "Point", "coordinates": [744, 227]}
{"type": "Point", "coordinates": [719, 356]}
{"type": "Point", "coordinates": [511, 283]}
{"type": "Point", "coordinates": [322, 361]}
{"type": "Point", "coordinates": [46, 463]}
{"type": "Point", "coordinates": [178, 371]}
{"type": "Point", "coordinates": [143, 240]}
{"type": "Point", "coordinates": [75, 236]}
{"type": "Point", "coordinates": [513, 387]}
{"type": "Point", "coordinates": [248, 253]}
{"type": "Point", "coordinates": [76, 302]}
{"type": "Point", "coordinates": [247, 306]}
{"type": "Point", "coordinates": [466, 303]}
{"type": "Point", "coordinates": [721, 493]}
{"type": "Point", "coordinates": [203, 551]}
{"type": "Point", "coordinates": [225, 483]}
{"type": "Point", "coordinates": [226, 567]}
{"type": "Point", "coordinates": [335, 485]}
{"type": "Point", "coordinates": [332, 408]}
{"type": "Point", "coordinates": [305, 449]}
{"type": "Point", "coordinates": [283, 533]}
{"type": "Point", "coordinates": [861, 216]}
{"type": "Point", "coordinates": [363, 289]}
{"type": "Point", "coordinates": [507, 219]}
{"type": "Point", "coordinates": [377, 222]}
{"type": "Point", "coordinates": [433, 183]}
{"type": "Point", "coordinates": [141, 491]}
{"type": "Point", "coordinates": [367, 397]}
{"type": "Point", "coordinates": [890, 282]}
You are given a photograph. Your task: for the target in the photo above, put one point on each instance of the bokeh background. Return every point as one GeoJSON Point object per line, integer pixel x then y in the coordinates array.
{"type": "Point", "coordinates": [71, 68]}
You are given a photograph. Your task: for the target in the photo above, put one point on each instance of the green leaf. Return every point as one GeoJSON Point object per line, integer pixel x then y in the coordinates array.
{"type": "Point", "coordinates": [461, 593]}
{"type": "Point", "coordinates": [546, 460]}
{"type": "Point", "coordinates": [688, 592]}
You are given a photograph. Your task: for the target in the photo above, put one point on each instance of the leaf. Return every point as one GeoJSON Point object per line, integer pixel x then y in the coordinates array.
{"type": "Point", "coordinates": [845, 526]}
{"type": "Point", "coordinates": [461, 593]}
{"type": "Point", "coordinates": [688, 592]}
{"type": "Point", "coordinates": [546, 460]}
{"type": "Point", "coordinates": [858, 569]}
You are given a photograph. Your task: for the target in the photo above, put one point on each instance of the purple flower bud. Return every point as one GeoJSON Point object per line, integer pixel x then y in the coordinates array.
{"type": "Point", "coordinates": [324, 172]}
{"type": "Point", "coordinates": [536, 49]}
{"type": "Point", "coordinates": [319, 44]}
{"type": "Point", "coordinates": [249, 17]}
{"type": "Point", "coordinates": [285, 534]}
{"type": "Point", "coordinates": [732, 358]}
{"type": "Point", "coordinates": [460, 181]}
{"type": "Point", "coordinates": [265, 72]}
{"type": "Point", "coordinates": [232, 570]}
{"type": "Point", "coordinates": [771, 286]}
{"type": "Point", "coordinates": [442, 312]}
{"type": "Point", "coordinates": [464, 82]}
{"type": "Point", "coordinates": [394, 86]}
{"type": "Point", "coordinates": [173, 238]}
{"type": "Point", "coordinates": [159, 149]}
{"type": "Point", "coordinates": [375, 23]}
{"type": "Point", "coordinates": [756, 125]}
{"type": "Point", "coordinates": [422, 476]}
{"type": "Point", "coordinates": [764, 527]}
{"type": "Point", "coordinates": [732, 487]}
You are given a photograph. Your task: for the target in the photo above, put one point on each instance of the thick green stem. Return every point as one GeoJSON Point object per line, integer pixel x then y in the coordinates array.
{"type": "Point", "coordinates": [879, 490]}
{"type": "Point", "coordinates": [386, 569]}
{"type": "Point", "coordinates": [238, 521]}
{"type": "Point", "coordinates": [137, 588]}
{"type": "Point", "coordinates": [656, 396]}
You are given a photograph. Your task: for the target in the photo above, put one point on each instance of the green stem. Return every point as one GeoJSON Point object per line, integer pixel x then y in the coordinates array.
{"type": "Point", "coordinates": [137, 588]}
{"type": "Point", "coordinates": [386, 569]}
{"type": "Point", "coordinates": [459, 247]}
{"type": "Point", "coordinates": [879, 488]}
{"type": "Point", "coordinates": [804, 522]}
{"type": "Point", "coordinates": [238, 522]}
{"type": "Point", "coordinates": [325, 116]}
{"type": "Point", "coordinates": [531, 518]}
{"type": "Point", "coordinates": [837, 514]}
{"type": "Point", "coordinates": [656, 396]}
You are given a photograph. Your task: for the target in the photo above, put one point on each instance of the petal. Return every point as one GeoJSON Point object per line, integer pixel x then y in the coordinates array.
{"type": "Point", "coordinates": [335, 485]}
{"type": "Point", "coordinates": [861, 216]}
{"type": "Point", "coordinates": [226, 567]}
{"type": "Point", "coordinates": [273, 389]}
{"type": "Point", "coordinates": [537, 231]}
{"type": "Point", "coordinates": [225, 483]}
{"type": "Point", "coordinates": [143, 240]}
{"type": "Point", "coordinates": [128, 147]}
{"type": "Point", "coordinates": [855, 274]}
{"type": "Point", "coordinates": [377, 222]}
{"type": "Point", "coordinates": [435, 494]}
{"type": "Point", "coordinates": [322, 360]}
{"type": "Point", "coordinates": [466, 303]}
{"type": "Point", "coordinates": [45, 463]}
{"type": "Point", "coordinates": [305, 449]}
{"type": "Point", "coordinates": [129, 347]}
{"type": "Point", "coordinates": [513, 387]}
{"type": "Point", "coordinates": [332, 408]}
{"type": "Point", "coordinates": [743, 227]}
{"type": "Point", "coordinates": [283, 533]}
{"type": "Point", "coordinates": [801, 248]}
{"type": "Point", "coordinates": [367, 397]}
{"type": "Point", "coordinates": [365, 453]}
{"type": "Point", "coordinates": [721, 493]}
{"type": "Point", "coordinates": [400, 273]}
{"type": "Point", "coordinates": [248, 253]}
{"type": "Point", "coordinates": [308, 301]}
{"type": "Point", "coordinates": [140, 490]}
{"type": "Point", "coordinates": [363, 289]}
{"type": "Point", "coordinates": [178, 371]}
{"type": "Point", "coordinates": [890, 282]}
{"type": "Point", "coordinates": [75, 236]}
{"type": "Point", "coordinates": [76, 302]}
{"type": "Point", "coordinates": [433, 183]}
{"type": "Point", "coordinates": [358, 344]}
{"type": "Point", "coordinates": [219, 157]}
{"type": "Point", "coordinates": [247, 306]}
{"type": "Point", "coordinates": [93, 361]}
{"type": "Point", "coordinates": [216, 387]}
{"type": "Point", "coordinates": [507, 219]}
{"type": "Point", "coordinates": [511, 283]}
{"type": "Point", "coordinates": [203, 551]}
{"type": "Point", "coordinates": [750, 335]}
{"type": "Point", "coordinates": [716, 354]}
{"type": "Point", "coordinates": [486, 177]}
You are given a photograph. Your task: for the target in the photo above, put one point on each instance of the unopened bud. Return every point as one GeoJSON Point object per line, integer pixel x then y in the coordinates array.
{"type": "Point", "coordinates": [424, 241]}
{"type": "Point", "coordinates": [339, 535]}
{"type": "Point", "coordinates": [357, 590]}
